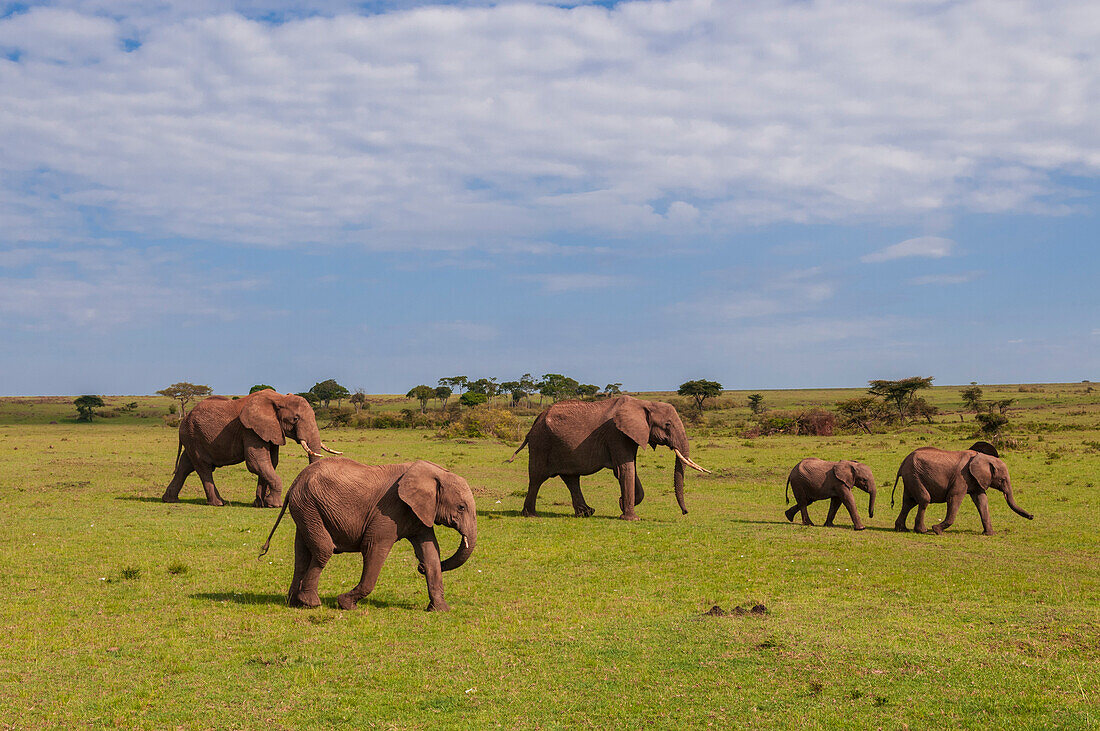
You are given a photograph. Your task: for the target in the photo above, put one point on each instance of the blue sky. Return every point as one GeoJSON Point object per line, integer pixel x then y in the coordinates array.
{"type": "Point", "coordinates": [767, 194]}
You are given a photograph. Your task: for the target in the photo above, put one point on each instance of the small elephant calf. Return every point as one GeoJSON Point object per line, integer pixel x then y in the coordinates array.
{"type": "Point", "coordinates": [815, 479]}
{"type": "Point", "coordinates": [340, 506]}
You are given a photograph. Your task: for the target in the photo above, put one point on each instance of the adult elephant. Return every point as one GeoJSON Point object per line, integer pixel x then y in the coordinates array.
{"type": "Point", "coordinates": [932, 475]}
{"type": "Point", "coordinates": [340, 505]}
{"type": "Point", "coordinates": [815, 479]}
{"type": "Point", "coordinates": [576, 438]}
{"type": "Point", "coordinates": [221, 431]}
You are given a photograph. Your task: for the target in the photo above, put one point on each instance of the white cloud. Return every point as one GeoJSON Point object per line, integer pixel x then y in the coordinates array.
{"type": "Point", "coordinates": [794, 292]}
{"type": "Point", "coordinates": [477, 125]}
{"type": "Point", "coordinates": [934, 279]}
{"type": "Point", "coordinates": [929, 247]}
{"type": "Point", "coordinates": [555, 283]}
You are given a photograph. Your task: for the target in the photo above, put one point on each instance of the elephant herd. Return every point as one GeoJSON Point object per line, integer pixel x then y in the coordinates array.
{"type": "Point", "coordinates": [341, 506]}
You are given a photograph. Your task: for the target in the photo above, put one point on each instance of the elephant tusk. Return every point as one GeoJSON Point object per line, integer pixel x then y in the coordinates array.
{"type": "Point", "coordinates": [330, 451]}
{"type": "Point", "coordinates": [309, 451]}
{"type": "Point", "coordinates": [689, 463]}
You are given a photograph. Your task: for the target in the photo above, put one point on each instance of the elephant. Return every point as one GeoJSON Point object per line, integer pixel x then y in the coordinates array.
{"type": "Point", "coordinates": [815, 479]}
{"type": "Point", "coordinates": [220, 431]}
{"type": "Point", "coordinates": [340, 505]}
{"type": "Point", "coordinates": [932, 475]}
{"type": "Point", "coordinates": [575, 438]}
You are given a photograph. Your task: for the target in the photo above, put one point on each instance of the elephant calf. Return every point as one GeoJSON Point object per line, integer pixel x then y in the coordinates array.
{"type": "Point", "coordinates": [340, 506]}
{"type": "Point", "coordinates": [932, 475]}
{"type": "Point", "coordinates": [815, 479]}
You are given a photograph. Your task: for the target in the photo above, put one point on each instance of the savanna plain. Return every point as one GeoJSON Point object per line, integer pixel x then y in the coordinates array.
{"type": "Point", "coordinates": [121, 611]}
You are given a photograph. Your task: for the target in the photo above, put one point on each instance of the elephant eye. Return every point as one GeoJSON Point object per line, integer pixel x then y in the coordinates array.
{"type": "Point", "coordinates": [461, 508]}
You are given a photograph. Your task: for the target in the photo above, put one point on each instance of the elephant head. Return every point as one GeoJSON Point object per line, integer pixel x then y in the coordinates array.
{"type": "Point", "coordinates": [656, 423]}
{"type": "Point", "coordinates": [274, 417]}
{"type": "Point", "coordinates": [858, 475]}
{"type": "Point", "coordinates": [990, 472]}
{"type": "Point", "coordinates": [440, 497]}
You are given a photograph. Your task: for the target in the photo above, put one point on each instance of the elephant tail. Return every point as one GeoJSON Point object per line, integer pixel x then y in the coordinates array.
{"type": "Point", "coordinates": [286, 501]}
{"type": "Point", "coordinates": [788, 491]}
{"type": "Point", "coordinates": [519, 448]}
{"type": "Point", "coordinates": [895, 488]}
{"type": "Point", "coordinates": [179, 451]}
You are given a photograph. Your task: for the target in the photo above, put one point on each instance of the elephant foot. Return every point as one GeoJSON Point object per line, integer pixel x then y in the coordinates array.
{"type": "Point", "coordinates": [584, 512]}
{"type": "Point", "coordinates": [438, 607]}
{"type": "Point", "coordinates": [859, 527]}
{"type": "Point", "coordinates": [900, 528]}
{"type": "Point", "coordinates": [528, 513]}
{"type": "Point", "coordinates": [922, 531]}
{"type": "Point", "coordinates": [629, 516]}
{"type": "Point", "coordinates": [308, 599]}
{"type": "Point", "coordinates": [808, 522]}
{"type": "Point", "coordinates": [828, 524]}
{"type": "Point", "coordinates": [166, 498]}
{"type": "Point", "coordinates": [346, 601]}
{"type": "Point", "coordinates": [938, 530]}
{"type": "Point", "coordinates": [217, 503]}
{"type": "Point", "coordinates": [987, 532]}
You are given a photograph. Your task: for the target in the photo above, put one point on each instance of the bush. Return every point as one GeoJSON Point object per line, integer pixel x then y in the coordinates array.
{"type": "Point", "coordinates": [816, 423]}
{"type": "Point", "coordinates": [472, 399]}
{"type": "Point", "coordinates": [483, 422]}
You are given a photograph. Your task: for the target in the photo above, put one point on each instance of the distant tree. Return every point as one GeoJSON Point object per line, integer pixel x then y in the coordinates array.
{"type": "Point", "coordinates": [863, 412]}
{"type": "Point", "coordinates": [310, 397]}
{"type": "Point", "coordinates": [899, 393]}
{"type": "Point", "coordinates": [86, 406]}
{"type": "Point", "coordinates": [587, 390]}
{"type": "Point", "coordinates": [991, 423]}
{"type": "Point", "coordinates": [972, 399]}
{"type": "Point", "coordinates": [443, 393]}
{"type": "Point", "coordinates": [756, 403]}
{"type": "Point", "coordinates": [456, 383]}
{"type": "Point", "coordinates": [185, 393]}
{"type": "Point", "coordinates": [700, 390]}
{"type": "Point", "coordinates": [919, 408]}
{"type": "Point", "coordinates": [1002, 405]}
{"type": "Point", "coordinates": [471, 398]}
{"type": "Point", "coordinates": [558, 387]}
{"type": "Point", "coordinates": [613, 389]}
{"type": "Point", "coordinates": [513, 389]}
{"type": "Point", "coordinates": [357, 399]}
{"type": "Point", "coordinates": [328, 391]}
{"type": "Point", "coordinates": [260, 387]}
{"type": "Point", "coordinates": [487, 387]}
{"type": "Point", "coordinates": [422, 394]}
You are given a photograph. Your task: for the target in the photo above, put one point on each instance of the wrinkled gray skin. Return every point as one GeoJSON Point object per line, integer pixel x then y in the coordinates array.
{"type": "Point", "coordinates": [815, 479]}
{"type": "Point", "coordinates": [932, 475]}
{"type": "Point", "coordinates": [221, 431]}
{"type": "Point", "coordinates": [341, 506]}
{"type": "Point", "coordinates": [576, 438]}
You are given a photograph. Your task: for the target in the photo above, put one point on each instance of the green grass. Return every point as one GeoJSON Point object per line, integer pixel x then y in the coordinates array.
{"type": "Point", "coordinates": [121, 611]}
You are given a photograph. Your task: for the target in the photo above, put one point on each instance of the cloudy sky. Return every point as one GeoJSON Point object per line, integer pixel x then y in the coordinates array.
{"type": "Point", "coordinates": [768, 193]}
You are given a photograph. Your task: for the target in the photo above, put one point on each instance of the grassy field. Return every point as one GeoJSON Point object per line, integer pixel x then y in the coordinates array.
{"type": "Point", "coordinates": [121, 611]}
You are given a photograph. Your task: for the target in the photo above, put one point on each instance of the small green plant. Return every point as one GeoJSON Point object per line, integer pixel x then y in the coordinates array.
{"type": "Point", "coordinates": [880, 701]}
{"type": "Point", "coordinates": [177, 568]}
{"type": "Point", "coordinates": [130, 573]}
{"type": "Point", "coordinates": [855, 694]}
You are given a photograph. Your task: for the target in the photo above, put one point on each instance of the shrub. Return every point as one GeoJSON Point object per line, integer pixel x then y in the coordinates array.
{"type": "Point", "coordinates": [472, 399]}
{"type": "Point", "coordinates": [816, 423]}
{"type": "Point", "coordinates": [482, 422]}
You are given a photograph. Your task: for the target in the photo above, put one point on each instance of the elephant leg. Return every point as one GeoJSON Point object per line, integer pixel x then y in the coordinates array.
{"type": "Point", "coordinates": [627, 474]}
{"type": "Point", "coordinates": [269, 488]}
{"type": "Point", "coordinates": [427, 552]}
{"type": "Point", "coordinates": [849, 501]}
{"type": "Point", "coordinates": [320, 547]}
{"type": "Point", "coordinates": [183, 469]}
{"type": "Point", "coordinates": [907, 504]}
{"type": "Point", "coordinates": [373, 558]}
{"type": "Point", "coordinates": [954, 501]}
{"type": "Point", "coordinates": [581, 509]}
{"type": "Point", "coordinates": [834, 505]}
{"type": "Point", "coordinates": [639, 493]}
{"type": "Point", "coordinates": [981, 502]}
{"type": "Point", "coordinates": [533, 485]}
{"type": "Point", "coordinates": [918, 524]}
{"type": "Point", "coordinates": [792, 511]}
{"type": "Point", "coordinates": [301, 563]}
{"type": "Point", "coordinates": [206, 474]}
{"type": "Point", "coordinates": [805, 514]}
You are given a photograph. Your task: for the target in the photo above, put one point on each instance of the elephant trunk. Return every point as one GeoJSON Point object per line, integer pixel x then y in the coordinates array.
{"type": "Point", "coordinates": [1012, 503]}
{"type": "Point", "coordinates": [678, 484]}
{"type": "Point", "coordinates": [310, 437]}
{"type": "Point", "coordinates": [463, 552]}
{"type": "Point", "coordinates": [871, 502]}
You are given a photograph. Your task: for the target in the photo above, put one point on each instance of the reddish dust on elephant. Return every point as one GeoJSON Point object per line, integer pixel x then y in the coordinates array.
{"type": "Point", "coordinates": [220, 431]}
{"type": "Point", "coordinates": [342, 506]}
{"type": "Point", "coordinates": [572, 439]}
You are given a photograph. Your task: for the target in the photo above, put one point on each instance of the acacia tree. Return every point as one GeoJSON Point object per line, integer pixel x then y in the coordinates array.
{"type": "Point", "coordinates": [260, 387]}
{"type": "Point", "coordinates": [455, 383]}
{"type": "Point", "coordinates": [557, 386]}
{"type": "Point", "coordinates": [443, 393]}
{"type": "Point", "coordinates": [86, 406]}
{"type": "Point", "coordinates": [613, 389]}
{"type": "Point", "coordinates": [329, 390]}
{"type": "Point", "coordinates": [422, 394]}
{"type": "Point", "coordinates": [357, 399]}
{"type": "Point", "coordinates": [587, 390]}
{"type": "Point", "coordinates": [756, 403]}
{"type": "Point", "coordinates": [972, 398]}
{"type": "Point", "coordinates": [900, 393]}
{"type": "Point", "coordinates": [700, 390]}
{"type": "Point", "coordinates": [185, 393]}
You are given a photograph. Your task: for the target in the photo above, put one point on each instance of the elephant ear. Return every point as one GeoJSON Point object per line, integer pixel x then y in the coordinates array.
{"type": "Point", "coordinates": [844, 472]}
{"type": "Point", "coordinates": [632, 419]}
{"type": "Point", "coordinates": [259, 416]}
{"type": "Point", "coordinates": [418, 488]}
{"type": "Point", "coordinates": [981, 469]}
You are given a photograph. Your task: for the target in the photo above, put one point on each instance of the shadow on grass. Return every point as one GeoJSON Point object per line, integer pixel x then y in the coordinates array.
{"type": "Point", "coordinates": [798, 524]}
{"type": "Point", "coordinates": [541, 514]}
{"type": "Point", "coordinates": [186, 501]}
{"type": "Point", "coordinates": [254, 599]}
